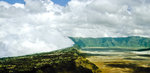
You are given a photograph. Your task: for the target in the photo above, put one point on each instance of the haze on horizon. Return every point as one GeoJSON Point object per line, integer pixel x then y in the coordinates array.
{"type": "Point", "coordinates": [42, 25]}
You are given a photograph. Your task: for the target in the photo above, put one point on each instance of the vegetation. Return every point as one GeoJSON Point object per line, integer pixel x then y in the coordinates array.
{"type": "Point", "coordinates": [61, 61]}
{"type": "Point", "coordinates": [120, 42]}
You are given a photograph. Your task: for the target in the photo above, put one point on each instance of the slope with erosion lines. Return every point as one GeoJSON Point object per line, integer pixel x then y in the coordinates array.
{"type": "Point", "coordinates": [118, 42]}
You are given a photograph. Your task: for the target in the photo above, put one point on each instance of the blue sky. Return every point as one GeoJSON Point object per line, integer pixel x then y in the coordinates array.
{"type": "Point", "coordinates": [60, 2]}
{"type": "Point", "coordinates": [14, 1]}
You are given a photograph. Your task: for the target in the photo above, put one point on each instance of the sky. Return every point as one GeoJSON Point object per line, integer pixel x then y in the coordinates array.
{"type": "Point", "coordinates": [44, 25]}
{"type": "Point", "coordinates": [60, 2]}
{"type": "Point", "coordinates": [14, 1]}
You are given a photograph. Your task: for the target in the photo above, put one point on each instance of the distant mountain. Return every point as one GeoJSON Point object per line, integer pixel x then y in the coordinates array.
{"type": "Point", "coordinates": [126, 42]}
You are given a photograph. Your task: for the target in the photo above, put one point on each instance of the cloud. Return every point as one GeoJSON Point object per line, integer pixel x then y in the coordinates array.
{"type": "Point", "coordinates": [107, 18]}
{"type": "Point", "coordinates": [27, 29]}
{"type": "Point", "coordinates": [42, 26]}
{"type": "Point", "coordinates": [18, 5]}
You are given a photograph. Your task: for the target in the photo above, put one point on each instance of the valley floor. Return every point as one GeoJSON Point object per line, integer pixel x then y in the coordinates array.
{"type": "Point", "coordinates": [119, 62]}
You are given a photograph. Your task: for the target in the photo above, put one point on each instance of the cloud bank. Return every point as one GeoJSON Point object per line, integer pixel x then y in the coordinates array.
{"type": "Point", "coordinates": [41, 25]}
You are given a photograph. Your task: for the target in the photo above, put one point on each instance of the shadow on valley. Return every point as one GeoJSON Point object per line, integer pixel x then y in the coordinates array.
{"type": "Point", "coordinates": [134, 59]}
{"type": "Point", "coordinates": [134, 67]}
{"type": "Point", "coordinates": [144, 55]}
{"type": "Point", "coordinates": [89, 54]}
{"type": "Point", "coordinates": [147, 49]}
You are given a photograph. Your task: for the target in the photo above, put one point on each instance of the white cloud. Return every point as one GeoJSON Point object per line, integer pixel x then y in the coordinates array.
{"type": "Point", "coordinates": [107, 18]}
{"type": "Point", "coordinates": [41, 25]}
{"type": "Point", "coordinates": [28, 29]}
{"type": "Point", "coordinates": [18, 5]}
{"type": "Point", "coordinates": [4, 4]}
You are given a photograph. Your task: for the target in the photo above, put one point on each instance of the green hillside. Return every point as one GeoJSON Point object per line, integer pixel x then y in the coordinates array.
{"type": "Point", "coordinates": [126, 42]}
{"type": "Point", "coordinates": [67, 60]}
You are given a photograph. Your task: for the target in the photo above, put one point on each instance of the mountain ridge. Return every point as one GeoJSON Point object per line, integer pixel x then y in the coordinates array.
{"type": "Point", "coordinates": [67, 60]}
{"type": "Point", "coordinates": [125, 42]}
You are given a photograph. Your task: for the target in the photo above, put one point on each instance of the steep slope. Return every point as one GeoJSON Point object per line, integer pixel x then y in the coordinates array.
{"type": "Point", "coordinates": [62, 61]}
{"type": "Point", "coordinates": [130, 42]}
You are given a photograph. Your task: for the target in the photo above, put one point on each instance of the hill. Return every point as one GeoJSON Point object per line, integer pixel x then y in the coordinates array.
{"type": "Point", "coordinates": [66, 60]}
{"type": "Point", "coordinates": [126, 42]}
